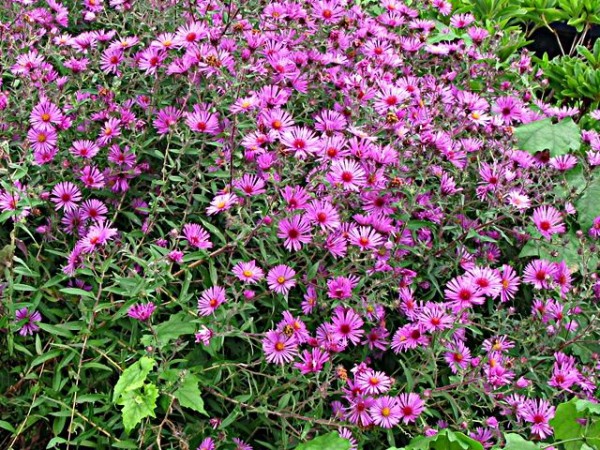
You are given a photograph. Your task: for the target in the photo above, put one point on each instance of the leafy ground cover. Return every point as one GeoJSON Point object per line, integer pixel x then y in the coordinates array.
{"type": "Point", "coordinates": [301, 224]}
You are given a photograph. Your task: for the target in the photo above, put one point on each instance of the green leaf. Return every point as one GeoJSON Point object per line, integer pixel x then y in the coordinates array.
{"type": "Point", "coordinates": [133, 377]}
{"type": "Point", "coordinates": [516, 442]}
{"type": "Point", "coordinates": [544, 135]}
{"type": "Point", "coordinates": [7, 426]}
{"type": "Point", "coordinates": [137, 405]}
{"type": "Point", "coordinates": [177, 325]}
{"type": "Point", "coordinates": [330, 441]}
{"type": "Point", "coordinates": [445, 440]}
{"type": "Point", "coordinates": [565, 425]}
{"type": "Point", "coordinates": [588, 206]}
{"type": "Point", "coordinates": [189, 394]}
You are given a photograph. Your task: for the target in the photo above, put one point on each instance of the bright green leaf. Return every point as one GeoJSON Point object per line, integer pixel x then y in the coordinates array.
{"type": "Point", "coordinates": [544, 135]}
{"type": "Point", "coordinates": [133, 377]}
{"type": "Point", "coordinates": [137, 405]}
{"type": "Point", "coordinates": [588, 206]}
{"type": "Point", "coordinates": [330, 441]}
{"type": "Point", "coordinates": [189, 394]}
{"type": "Point", "coordinates": [516, 442]}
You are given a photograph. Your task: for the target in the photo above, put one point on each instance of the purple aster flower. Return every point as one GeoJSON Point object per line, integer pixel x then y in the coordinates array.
{"type": "Point", "coordinates": [141, 311]}
{"type": "Point", "coordinates": [30, 319]}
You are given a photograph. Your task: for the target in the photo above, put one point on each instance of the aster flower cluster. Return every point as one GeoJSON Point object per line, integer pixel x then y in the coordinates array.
{"type": "Point", "coordinates": [285, 192]}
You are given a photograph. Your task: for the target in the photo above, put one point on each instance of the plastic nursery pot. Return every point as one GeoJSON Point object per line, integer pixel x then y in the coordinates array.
{"type": "Point", "coordinates": [547, 41]}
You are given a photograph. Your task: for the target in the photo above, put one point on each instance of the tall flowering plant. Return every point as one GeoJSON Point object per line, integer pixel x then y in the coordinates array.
{"type": "Point", "coordinates": [244, 224]}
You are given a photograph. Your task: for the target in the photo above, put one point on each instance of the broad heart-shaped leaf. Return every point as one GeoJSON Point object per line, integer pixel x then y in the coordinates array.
{"type": "Point", "coordinates": [133, 377]}
{"type": "Point", "coordinates": [588, 206]}
{"type": "Point", "coordinates": [444, 440]}
{"type": "Point", "coordinates": [330, 441]}
{"type": "Point", "coordinates": [566, 426]}
{"type": "Point", "coordinates": [188, 394]}
{"type": "Point", "coordinates": [137, 405]}
{"type": "Point", "coordinates": [516, 442]}
{"type": "Point", "coordinates": [543, 135]}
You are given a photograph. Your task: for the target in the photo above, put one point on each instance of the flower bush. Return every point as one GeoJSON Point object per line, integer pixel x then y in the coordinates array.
{"type": "Point", "coordinates": [247, 224]}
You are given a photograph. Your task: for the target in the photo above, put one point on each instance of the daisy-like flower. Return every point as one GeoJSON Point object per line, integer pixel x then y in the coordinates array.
{"type": "Point", "coordinates": [42, 140]}
{"type": "Point", "coordinates": [221, 203]}
{"type": "Point", "coordinates": [433, 317]}
{"type": "Point", "coordinates": [389, 99]}
{"type": "Point", "coordinates": [110, 60]}
{"type": "Point", "coordinates": [372, 382]}
{"type": "Point", "coordinates": [210, 300]}
{"type": "Point", "coordinates": [358, 411]}
{"type": "Point", "coordinates": [250, 185]}
{"type": "Point", "coordinates": [207, 444]}
{"type": "Point", "coordinates": [276, 119]}
{"type": "Point", "coordinates": [312, 361]}
{"type": "Point", "coordinates": [458, 357]}
{"type": "Point", "coordinates": [93, 209]}
{"type": "Point", "coordinates": [365, 237]}
{"type": "Point", "coordinates": [281, 279]}
{"type": "Point", "coordinates": [96, 236]}
{"type": "Point", "coordinates": [324, 214]}
{"type": "Point", "coordinates": [204, 335]}
{"type": "Point", "coordinates": [548, 221]}
{"type": "Point", "coordinates": [462, 293]}
{"type": "Point", "coordinates": [279, 348]}
{"type": "Point", "coordinates": [347, 325]}
{"type": "Point", "coordinates": [65, 195]}
{"type": "Point", "coordinates": [295, 231]}
{"type": "Point", "coordinates": [341, 287]}
{"type": "Point", "coordinates": [539, 413]}
{"type": "Point", "coordinates": [296, 197]}
{"type": "Point", "coordinates": [197, 236]}
{"type": "Point", "coordinates": [110, 130]}
{"type": "Point", "coordinates": [202, 121]}
{"type": "Point", "coordinates": [44, 115]}
{"type": "Point", "coordinates": [487, 280]}
{"type": "Point", "coordinates": [510, 283]}
{"type": "Point", "coordinates": [92, 178]}
{"type": "Point", "coordinates": [386, 411]}
{"type": "Point", "coordinates": [141, 311]}
{"type": "Point", "coordinates": [166, 119]}
{"type": "Point", "coordinates": [348, 174]}
{"type": "Point", "coordinates": [518, 200]}
{"type": "Point", "coordinates": [84, 149]}
{"type": "Point", "coordinates": [248, 272]}
{"type": "Point", "coordinates": [29, 319]}
{"type": "Point", "coordinates": [300, 140]}
{"type": "Point", "coordinates": [540, 273]}
{"type": "Point", "coordinates": [241, 445]}
{"type": "Point", "coordinates": [411, 406]}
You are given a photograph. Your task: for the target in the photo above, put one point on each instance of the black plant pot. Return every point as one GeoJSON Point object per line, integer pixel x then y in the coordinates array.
{"type": "Point", "coordinates": [545, 41]}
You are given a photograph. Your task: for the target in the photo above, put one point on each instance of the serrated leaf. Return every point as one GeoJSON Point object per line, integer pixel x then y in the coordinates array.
{"type": "Point", "coordinates": [543, 135]}
{"type": "Point", "coordinates": [330, 441]}
{"type": "Point", "coordinates": [133, 377]}
{"type": "Point", "coordinates": [137, 405]}
{"type": "Point", "coordinates": [189, 394]}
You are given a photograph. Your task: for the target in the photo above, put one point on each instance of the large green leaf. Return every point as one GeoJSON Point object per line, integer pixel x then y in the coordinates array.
{"type": "Point", "coordinates": [444, 440]}
{"type": "Point", "coordinates": [330, 441]}
{"type": "Point", "coordinates": [189, 395]}
{"type": "Point", "coordinates": [137, 405]}
{"type": "Point", "coordinates": [588, 206]}
{"type": "Point", "coordinates": [516, 442]}
{"type": "Point", "coordinates": [542, 135]}
{"type": "Point", "coordinates": [133, 377]}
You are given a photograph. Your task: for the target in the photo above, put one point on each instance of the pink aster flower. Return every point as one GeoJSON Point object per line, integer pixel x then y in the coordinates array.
{"type": "Point", "coordinates": [281, 279]}
{"type": "Point", "coordinates": [65, 195]}
{"type": "Point", "coordinates": [510, 283]}
{"type": "Point", "coordinates": [365, 237]}
{"type": "Point", "coordinates": [97, 235]}
{"type": "Point", "coordinates": [141, 311]}
{"type": "Point", "coordinates": [92, 178]}
{"type": "Point", "coordinates": [300, 140]}
{"type": "Point", "coordinates": [250, 185]}
{"type": "Point", "coordinates": [348, 174]}
{"type": "Point", "coordinates": [42, 141]}
{"type": "Point", "coordinates": [197, 236]}
{"type": "Point", "coordinates": [166, 119]}
{"type": "Point", "coordinates": [204, 335]}
{"type": "Point", "coordinates": [84, 149]}
{"type": "Point", "coordinates": [295, 231]}
{"type": "Point", "coordinates": [341, 287]}
{"type": "Point", "coordinates": [207, 444]}
{"type": "Point", "coordinates": [221, 203]}
{"type": "Point", "coordinates": [324, 214]}
{"type": "Point", "coordinates": [386, 411]}
{"type": "Point", "coordinates": [462, 293]}
{"type": "Point", "coordinates": [312, 361]}
{"type": "Point", "coordinates": [358, 411]}
{"type": "Point", "coordinates": [548, 221]}
{"type": "Point", "coordinates": [539, 413]}
{"type": "Point", "coordinates": [458, 357]}
{"type": "Point", "coordinates": [202, 121]}
{"type": "Point", "coordinates": [347, 325]}
{"type": "Point", "coordinates": [44, 115]}
{"type": "Point", "coordinates": [29, 319]}
{"type": "Point", "coordinates": [434, 317]}
{"type": "Point", "coordinates": [93, 209]}
{"type": "Point", "coordinates": [248, 272]}
{"type": "Point", "coordinates": [411, 406]}
{"type": "Point", "coordinates": [210, 300]}
{"type": "Point", "coordinates": [372, 382]}
{"type": "Point", "coordinates": [540, 273]}
{"type": "Point", "coordinates": [279, 348]}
